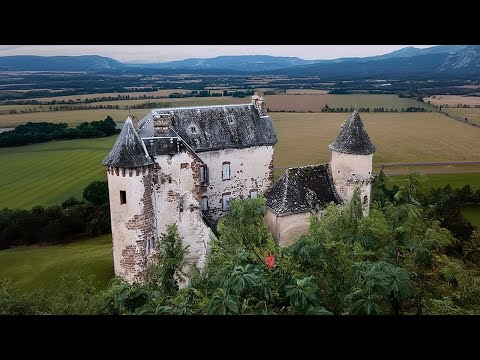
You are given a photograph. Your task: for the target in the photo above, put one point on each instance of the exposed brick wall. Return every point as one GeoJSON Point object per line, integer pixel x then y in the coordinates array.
{"type": "Point", "coordinates": [134, 257]}
{"type": "Point", "coordinates": [198, 187]}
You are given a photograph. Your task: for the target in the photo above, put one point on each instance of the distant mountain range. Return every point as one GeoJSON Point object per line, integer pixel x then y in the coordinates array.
{"type": "Point", "coordinates": [445, 61]}
{"type": "Point", "coordinates": [241, 63]}
{"type": "Point", "coordinates": [58, 63]}
{"type": "Point", "coordinates": [439, 61]}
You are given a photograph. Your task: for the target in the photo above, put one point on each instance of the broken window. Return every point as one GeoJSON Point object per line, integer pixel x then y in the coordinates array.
{"type": "Point", "coordinates": [203, 174]}
{"type": "Point", "coordinates": [150, 245]}
{"type": "Point", "coordinates": [225, 200]}
{"type": "Point", "coordinates": [226, 171]}
{"type": "Point", "coordinates": [204, 203]}
{"type": "Point", "coordinates": [253, 194]}
{"type": "Point", "coordinates": [365, 200]}
{"type": "Point", "coordinates": [123, 197]}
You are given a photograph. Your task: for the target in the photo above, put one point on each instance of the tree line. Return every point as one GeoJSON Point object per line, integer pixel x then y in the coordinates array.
{"type": "Point", "coordinates": [39, 132]}
{"type": "Point", "coordinates": [326, 108]}
{"type": "Point", "coordinates": [72, 220]}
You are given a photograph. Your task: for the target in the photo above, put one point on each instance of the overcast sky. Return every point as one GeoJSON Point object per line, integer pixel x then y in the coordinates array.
{"type": "Point", "coordinates": [162, 53]}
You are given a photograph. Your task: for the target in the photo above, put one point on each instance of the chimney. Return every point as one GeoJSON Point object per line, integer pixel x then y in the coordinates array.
{"type": "Point", "coordinates": [260, 104]}
{"type": "Point", "coordinates": [161, 123]}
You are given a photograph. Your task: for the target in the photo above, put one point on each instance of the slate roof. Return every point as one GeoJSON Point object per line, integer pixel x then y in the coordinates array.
{"type": "Point", "coordinates": [301, 189]}
{"type": "Point", "coordinates": [353, 138]}
{"type": "Point", "coordinates": [128, 151]}
{"type": "Point", "coordinates": [207, 128]}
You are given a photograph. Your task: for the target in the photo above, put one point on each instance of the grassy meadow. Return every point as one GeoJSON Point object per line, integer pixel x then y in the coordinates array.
{"type": "Point", "coordinates": [49, 173]}
{"type": "Point", "coordinates": [440, 180]}
{"type": "Point", "coordinates": [35, 268]}
{"type": "Point", "coordinates": [473, 215]}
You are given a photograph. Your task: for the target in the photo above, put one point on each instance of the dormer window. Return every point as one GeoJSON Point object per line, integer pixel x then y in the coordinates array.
{"type": "Point", "coordinates": [231, 119]}
{"type": "Point", "coordinates": [193, 129]}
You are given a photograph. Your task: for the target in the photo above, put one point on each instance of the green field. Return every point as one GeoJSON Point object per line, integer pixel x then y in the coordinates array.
{"type": "Point", "coordinates": [41, 268]}
{"type": "Point", "coordinates": [440, 180]}
{"type": "Point", "coordinates": [47, 174]}
{"type": "Point", "coordinates": [473, 215]}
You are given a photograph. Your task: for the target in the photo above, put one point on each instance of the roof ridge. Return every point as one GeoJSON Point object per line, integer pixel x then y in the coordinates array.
{"type": "Point", "coordinates": [199, 107]}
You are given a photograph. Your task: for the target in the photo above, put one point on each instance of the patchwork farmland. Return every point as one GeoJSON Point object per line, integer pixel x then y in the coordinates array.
{"type": "Point", "coordinates": [46, 174]}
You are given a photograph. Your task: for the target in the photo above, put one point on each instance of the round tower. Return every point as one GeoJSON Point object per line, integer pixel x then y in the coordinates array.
{"type": "Point", "coordinates": [129, 172]}
{"type": "Point", "coordinates": [352, 160]}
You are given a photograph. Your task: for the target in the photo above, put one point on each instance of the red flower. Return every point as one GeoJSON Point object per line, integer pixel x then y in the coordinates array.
{"type": "Point", "coordinates": [270, 261]}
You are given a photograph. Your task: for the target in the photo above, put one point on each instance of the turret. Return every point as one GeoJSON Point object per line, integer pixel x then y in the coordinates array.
{"type": "Point", "coordinates": [259, 102]}
{"type": "Point", "coordinates": [129, 172]}
{"type": "Point", "coordinates": [352, 160]}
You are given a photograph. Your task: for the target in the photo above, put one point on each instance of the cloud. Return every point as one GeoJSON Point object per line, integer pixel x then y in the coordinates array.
{"type": "Point", "coordinates": [9, 47]}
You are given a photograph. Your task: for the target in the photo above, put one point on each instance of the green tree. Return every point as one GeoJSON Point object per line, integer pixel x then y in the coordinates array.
{"type": "Point", "coordinates": [96, 193]}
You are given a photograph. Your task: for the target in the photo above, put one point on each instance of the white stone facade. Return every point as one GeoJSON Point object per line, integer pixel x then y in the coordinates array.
{"type": "Point", "coordinates": [350, 171]}
{"type": "Point", "coordinates": [172, 185]}
{"type": "Point", "coordinates": [251, 170]}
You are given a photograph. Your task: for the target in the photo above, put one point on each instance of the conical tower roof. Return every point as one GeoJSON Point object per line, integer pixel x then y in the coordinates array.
{"type": "Point", "coordinates": [353, 138]}
{"type": "Point", "coordinates": [128, 151]}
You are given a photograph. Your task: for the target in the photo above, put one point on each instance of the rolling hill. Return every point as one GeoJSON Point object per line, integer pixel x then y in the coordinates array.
{"type": "Point", "coordinates": [58, 63]}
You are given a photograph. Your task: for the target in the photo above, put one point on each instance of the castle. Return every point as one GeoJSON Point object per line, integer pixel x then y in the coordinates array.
{"type": "Point", "coordinates": [183, 165]}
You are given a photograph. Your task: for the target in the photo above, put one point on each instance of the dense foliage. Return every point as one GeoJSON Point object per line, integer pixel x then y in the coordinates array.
{"type": "Point", "coordinates": [397, 260]}
{"type": "Point", "coordinates": [32, 133]}
{"type": "Point", "coordinates": [58, 224]}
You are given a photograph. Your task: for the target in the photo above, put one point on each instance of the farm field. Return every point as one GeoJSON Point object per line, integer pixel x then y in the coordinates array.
{"type": "Point", "coordinates": [473, 215]}
{"type": "Point", "coordinates": [430, 169]}
{"type": "Point", "coordinates": [315, 102]}
{"type": "Point", "coordinates": [164, 92]}
{"type": "Point", "coordinates": [70, 117]}
{"type": "Point", "coordinates": [453, 100]}
{"type": "Point", "coordinates": [49, 173]}
{"type": "Point", "coordinates": [440, 180]}
{"type": "Point", "coordinates": [75, 117]}
{"type": "Point", "coordinates": [303, 138]}
{"type": "Point", "coordinates": [35, 268]}
{"type": "Point", "coordinates": [472, 114]}
{"type": "Point", "coordinates": [308, 91]}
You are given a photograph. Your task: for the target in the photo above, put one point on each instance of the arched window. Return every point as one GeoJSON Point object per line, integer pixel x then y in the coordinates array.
{"type": "Point", "coordinates": [365, 200]}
